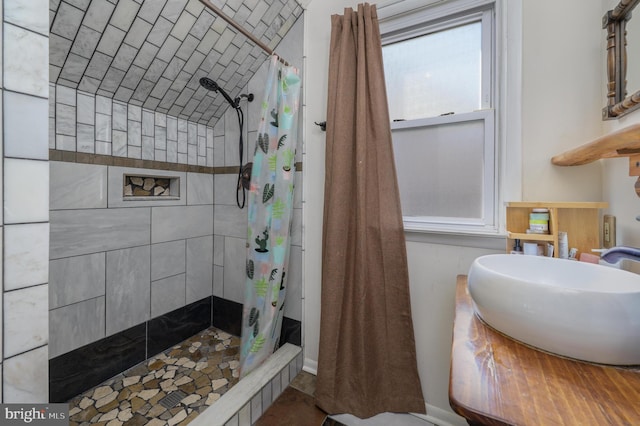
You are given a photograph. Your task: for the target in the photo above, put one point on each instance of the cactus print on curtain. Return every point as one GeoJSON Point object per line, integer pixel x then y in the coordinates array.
{"type": "Point", "coordinates": [269, 216]}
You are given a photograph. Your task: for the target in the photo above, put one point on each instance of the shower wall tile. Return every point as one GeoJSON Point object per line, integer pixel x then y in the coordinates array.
{"type": "Point", "coordinates": [124, 130]}
{"type": "Point", "coordinates": [231, 135]}
{"type": "Point", "coordinates": [235, 255]}
{"type": "Point", "coordinates": [168, 259]}
{"type": "Point", "coordinates": [26, 193]}
{"type": "Point", "coordinates": [67, 21]}
{"type": "Point", "coordinates": [119, 116]}
{"type": "Point", "coordinates": [77, 186]}
{"type": "Point", "coordinates": [218, 281]}
{"type": "Point", "coordinates": [86, 138]}
{"type": "Point", "coordinates": [296, 228]}
{"type": "Point", "coordinates": [199, 188]}
{"type": "Point", "coordinates": [65, 143]}
{"type": "Point", "coordinates": [225, 189]}
{"type": "Point", "coordinates": [257, 86]}
{"type": "Point", "coordinates": [218, 250]}
{"type": "Point", "coordinates": [26, 126]}
{"type": "Point", "coordinates": [77, 232]}
{"type": "Point", "coordinates": [86, 108]}
{"type": "Point", "coordinates": [26, 249]}
{"type": "Point", "coordinates": [26, 323]}
{"type": "Point", "coordinates": [32, 14]}
{"type": "Point", "coordinates": [128, 287]}
{"type": "Point", "coordinates": [103, 148]}
{"type": "Point", "coordinates": [293, 307]}
{"type": "Point", "coordinates": [218, 151]}
{"type": "Point", "coordinates": [25, 66]}
{"type": "Point", "coordinates": [25, 377]}
{"type": "Point", "coordinates": [76, 325]}
{"type": "Point", "coordinates": [65, 120]}
{"type": "Point", "coordinates": [75, 279]}
{"type": "Point", "coordinates": [174, 223]}
{"type": "Point", "coordinates": [167, 294]}
{"type": "Point", "coordinates": [199, 268]}
{"type": "Point", "coordinates": [297, 191]}
{"type": "Point", "coordinates": [230, 221]}
{"type": "Point", "coordinates": [86, 42]}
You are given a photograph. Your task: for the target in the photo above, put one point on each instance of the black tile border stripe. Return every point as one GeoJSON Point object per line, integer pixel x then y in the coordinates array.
{"type": "Point", "coordinates": [227, 316]}
{"type": "Point", "coordinates": [75, 372]}
{"type": "Point", "coordinates": [177, 326]}
{"type": "Point", "coordinates": [72, 373]}
{"type": "Point", "coordinates": [109, 160]}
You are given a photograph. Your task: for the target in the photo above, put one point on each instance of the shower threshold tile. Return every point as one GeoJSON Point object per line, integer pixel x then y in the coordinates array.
{"type": "Point", "coordinates": [171, 388]}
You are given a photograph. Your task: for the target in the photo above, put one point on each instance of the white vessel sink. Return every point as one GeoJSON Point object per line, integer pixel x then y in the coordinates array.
{"type": "Point", "coordinates": [575, 309]}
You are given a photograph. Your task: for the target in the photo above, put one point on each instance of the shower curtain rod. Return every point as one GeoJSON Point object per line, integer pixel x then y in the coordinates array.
{"type": "Point", "coordinates": [238, 27]}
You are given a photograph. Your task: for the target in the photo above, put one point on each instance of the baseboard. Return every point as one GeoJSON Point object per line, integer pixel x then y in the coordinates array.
{"type": "Point", "coordinates": [440, 417]}
{"type": "Point", "coordinates": [310, 366]}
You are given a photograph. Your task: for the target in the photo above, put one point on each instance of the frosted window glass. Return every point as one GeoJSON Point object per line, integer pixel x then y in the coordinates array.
{"type": "Point", "coordinates": [434, 74]}
{"type": "Point", "coordinates": [441, 169]}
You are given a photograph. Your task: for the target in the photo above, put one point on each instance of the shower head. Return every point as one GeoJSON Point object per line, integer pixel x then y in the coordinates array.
{"type": "Point", "coordinates": [209, 84]}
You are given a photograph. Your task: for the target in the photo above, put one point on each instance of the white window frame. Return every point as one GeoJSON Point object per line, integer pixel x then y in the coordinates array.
{"type": "Point", "coordinates": [404, 19]}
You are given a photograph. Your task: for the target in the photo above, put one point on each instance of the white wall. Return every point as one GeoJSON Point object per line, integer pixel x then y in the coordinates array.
{"type": "Point", "coordinates": [558, 46]}
{"type": "Point", "coordinates": [561, 97]}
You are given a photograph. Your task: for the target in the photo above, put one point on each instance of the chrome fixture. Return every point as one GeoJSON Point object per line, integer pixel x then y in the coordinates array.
{"type": "Point", "coordinates": [616, 254]}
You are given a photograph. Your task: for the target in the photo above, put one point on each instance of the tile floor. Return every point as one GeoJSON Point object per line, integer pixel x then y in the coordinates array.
{"type": "Point", "coordinates": [171, 388]}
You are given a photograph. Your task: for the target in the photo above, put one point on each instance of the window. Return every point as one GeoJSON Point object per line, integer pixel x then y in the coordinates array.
{"type": "Point", "coordinates": [439, 68]}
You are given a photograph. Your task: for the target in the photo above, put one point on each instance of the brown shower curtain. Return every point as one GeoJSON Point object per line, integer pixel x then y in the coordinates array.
{"type": "Point", "coordinates": [367, 360]}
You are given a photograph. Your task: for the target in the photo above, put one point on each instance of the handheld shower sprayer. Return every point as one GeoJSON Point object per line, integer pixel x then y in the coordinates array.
{"type": "Point", "coordinates": [209, 84]}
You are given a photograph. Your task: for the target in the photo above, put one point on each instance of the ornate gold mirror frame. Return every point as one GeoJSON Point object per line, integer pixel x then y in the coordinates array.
{"type": "Point", "coordinates": [615, 22]}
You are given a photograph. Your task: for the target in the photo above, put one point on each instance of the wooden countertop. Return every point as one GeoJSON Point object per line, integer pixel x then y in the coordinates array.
{"type": "Point", "coordinates": [497, 381]}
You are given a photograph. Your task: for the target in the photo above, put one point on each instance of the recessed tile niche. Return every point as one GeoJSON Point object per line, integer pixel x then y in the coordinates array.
{"type": "Point", "coordinates": [136, 187]}
{"type": "Point", "coordinates": [144, 187]}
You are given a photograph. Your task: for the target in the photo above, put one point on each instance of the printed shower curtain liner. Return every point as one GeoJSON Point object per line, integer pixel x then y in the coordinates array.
{"type": "Point", "coordinates": [269, 216]}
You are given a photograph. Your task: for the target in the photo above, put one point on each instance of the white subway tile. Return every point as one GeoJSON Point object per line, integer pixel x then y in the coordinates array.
{"type": "Point", "coordinates": [26, 126]}
{"type": "Point", "coordinates": [32, 14]}
{"type": "Point", "coordinates": [26, 255]}
{"type": "Point", "coordinates": [26, 191]}
{"type": "Point", "coordinates": [26, 57]}
{"type": "Point", "coordinates": [26, 319]}
{"type": "Point", "coordinates": [86, 108]}
{"type": "Point", "coordinates": [65, 95]}
{"type": "Point", "coordinates": [26, 377]}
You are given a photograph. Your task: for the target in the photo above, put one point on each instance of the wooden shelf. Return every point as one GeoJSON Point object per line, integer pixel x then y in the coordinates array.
{"type": "Point", "coordinates": [622, 143]}
{"type": "Point", "coordinates": [558, 204]}
{"type": "Point", "coordinates": [580, 220]}
{"type": "Point", "coordinates": [530, 237]}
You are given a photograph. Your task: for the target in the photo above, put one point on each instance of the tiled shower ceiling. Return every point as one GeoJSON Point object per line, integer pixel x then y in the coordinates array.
{"type": "Point", "coordinates": [153, 52]}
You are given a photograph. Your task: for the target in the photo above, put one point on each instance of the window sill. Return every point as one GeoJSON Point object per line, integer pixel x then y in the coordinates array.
{"type": "Point", "coordinates": [485, 239]}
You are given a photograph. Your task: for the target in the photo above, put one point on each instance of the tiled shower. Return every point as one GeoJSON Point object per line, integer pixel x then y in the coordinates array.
{"type": "Point", "coordinates": [113, 281]}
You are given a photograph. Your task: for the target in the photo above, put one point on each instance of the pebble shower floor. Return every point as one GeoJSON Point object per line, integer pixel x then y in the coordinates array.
{"type": "Point", "coordinates": [171, 388]}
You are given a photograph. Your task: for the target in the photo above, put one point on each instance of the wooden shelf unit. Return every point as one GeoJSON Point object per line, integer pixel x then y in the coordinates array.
{"type": "Point", "coordinates": [580, 220]}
